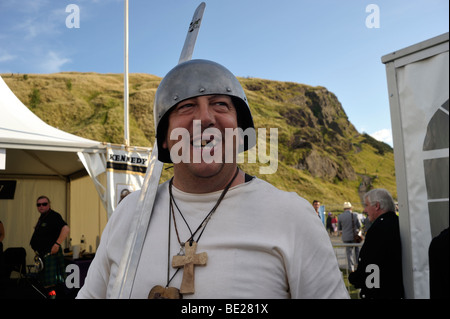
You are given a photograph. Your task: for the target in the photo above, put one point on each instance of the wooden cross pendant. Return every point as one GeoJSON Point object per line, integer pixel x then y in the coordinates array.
{"type": "Point", "coordinates": [188, 262]}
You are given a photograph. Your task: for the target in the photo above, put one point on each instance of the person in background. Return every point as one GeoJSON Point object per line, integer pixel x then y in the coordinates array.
{"type": "Point", "coordinates": [334, 223]}
{"type": "Point", "coordinates": [2, 263]}
{"type": "Point", "coordinates": [366, 224]}
{"type": "Point", "coordinates": [438, 254]}
{"type": "Point", "coordinates": [329, 224]}
{"type": "Point", "coordinates": [316, 205]}
{"type": "Point", "coordinates": [379, 273]}
{"type": "Point", "coordinates": [349, 225]}
{"type": "Point", "coordinates": [2, 235]}
{"type": "Point", "coordinates": [124, 193]}
{"type": "Point", "coordinates": [48, 236]}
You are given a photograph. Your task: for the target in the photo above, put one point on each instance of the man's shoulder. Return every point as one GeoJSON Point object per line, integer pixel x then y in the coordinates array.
{"type": "Point", "coordinates": [345, 214]}
{"type": "Point", "coordinates": [264, 187]}
{"type": "Point", "coordinates": [387, 220]}
{"type": "Point", "coordinates": [54, 214]}
{"type": "Point", "coordinates": [264, 193]}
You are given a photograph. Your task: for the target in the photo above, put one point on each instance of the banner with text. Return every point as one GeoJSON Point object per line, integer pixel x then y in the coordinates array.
{"type": "Point", "coordinates": [125, 172]}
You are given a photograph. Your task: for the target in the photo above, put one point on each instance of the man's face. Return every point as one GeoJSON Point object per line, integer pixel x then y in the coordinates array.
{"type": "Point", "coordinates": [213, 113]}
{"type": "Point", "coordinates": [371, 211]}
{"type": "Point", "coordinates": [43, 205]}
{"type": "Point", "coordinates": [316, 206]}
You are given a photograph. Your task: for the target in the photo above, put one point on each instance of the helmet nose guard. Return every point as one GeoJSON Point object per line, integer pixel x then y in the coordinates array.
{"type": "Point", "coordinates": [197, 78]}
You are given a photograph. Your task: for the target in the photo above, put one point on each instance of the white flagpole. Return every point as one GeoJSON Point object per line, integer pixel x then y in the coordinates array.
{"type": "Point", "coordinates": [125, 84]}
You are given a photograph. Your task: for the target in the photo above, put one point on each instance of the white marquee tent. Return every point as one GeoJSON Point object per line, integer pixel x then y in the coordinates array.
{"type": "Point", "coordinates": [43, 160]}
{"type": "Point", "coordinates": [418, 84]}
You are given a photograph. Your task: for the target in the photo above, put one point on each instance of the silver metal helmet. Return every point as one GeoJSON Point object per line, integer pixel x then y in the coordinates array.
{"type": "Point", "coordinates": [196, 78]}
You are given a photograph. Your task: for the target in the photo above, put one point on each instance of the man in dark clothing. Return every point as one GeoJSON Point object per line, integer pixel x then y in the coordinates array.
{"type": "Point", "coordinates": [379, 273]}
{"type": "Point", "coordinates": [438, 254]}
{"type": "Point", "coordinates": [49, 233]}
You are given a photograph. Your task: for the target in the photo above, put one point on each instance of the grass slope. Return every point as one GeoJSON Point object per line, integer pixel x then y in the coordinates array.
{"type": "Point", "coordinates": [321, 155]}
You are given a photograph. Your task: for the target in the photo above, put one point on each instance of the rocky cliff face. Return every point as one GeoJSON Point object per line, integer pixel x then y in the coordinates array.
{"type": "Point", "coordinates": [320, 127]}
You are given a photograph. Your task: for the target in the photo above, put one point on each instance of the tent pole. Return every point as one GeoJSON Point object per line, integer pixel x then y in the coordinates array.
{"type": "Point", "coordinates": [68, 211]}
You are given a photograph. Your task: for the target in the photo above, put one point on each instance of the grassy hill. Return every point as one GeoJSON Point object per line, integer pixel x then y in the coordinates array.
{"type": "Point", "coordinates": [321, 154]}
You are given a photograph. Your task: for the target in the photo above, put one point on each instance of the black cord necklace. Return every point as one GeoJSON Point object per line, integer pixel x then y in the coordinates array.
{"type": "Point", "coordinates": [201, 226]}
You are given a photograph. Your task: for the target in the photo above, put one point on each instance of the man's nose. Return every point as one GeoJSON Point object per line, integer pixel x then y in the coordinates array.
{"type": "Point", "coordinates": [205, 114]}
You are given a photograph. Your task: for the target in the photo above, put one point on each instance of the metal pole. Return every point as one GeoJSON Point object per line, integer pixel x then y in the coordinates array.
{"type": "Point", "coordinates": [125, 84]}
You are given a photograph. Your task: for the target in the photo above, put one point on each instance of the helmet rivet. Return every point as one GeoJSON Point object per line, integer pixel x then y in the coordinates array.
{"type": "Point", "coordinates": [202, 90]}
{"type": "Point", "coordinates": [228, 89]}
{"type": "Point", "coordinates": [175, 97]}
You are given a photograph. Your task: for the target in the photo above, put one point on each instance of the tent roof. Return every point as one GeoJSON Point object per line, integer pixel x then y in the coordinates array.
{"type": "Point", "coordinates": [32, 146]}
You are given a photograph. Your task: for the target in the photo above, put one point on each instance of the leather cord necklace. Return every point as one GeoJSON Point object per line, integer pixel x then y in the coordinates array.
{"type": "Point", "coordinates": [189, 259]}
{"type": "Point", "coordinates": [205, 220]}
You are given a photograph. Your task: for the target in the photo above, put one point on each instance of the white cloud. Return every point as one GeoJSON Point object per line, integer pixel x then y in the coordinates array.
{"type": "Point", "coordinates": [53, 63]}
{"type": "Point", "coordinates": [384, 135]}
{"type": "Point", "coordinates": [29, 27]}
{"type": "Point", "coordinates": [37, 20]}
{"type": "Point", "coordinates": [5, 56]}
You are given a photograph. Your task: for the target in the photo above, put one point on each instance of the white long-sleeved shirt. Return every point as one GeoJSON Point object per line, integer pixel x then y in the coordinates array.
{"type": "Point", "coordinates": [261, 243]}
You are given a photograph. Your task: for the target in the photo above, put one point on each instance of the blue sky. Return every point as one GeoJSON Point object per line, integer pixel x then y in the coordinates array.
{"type": "Point", "coordinates": [317, 42]}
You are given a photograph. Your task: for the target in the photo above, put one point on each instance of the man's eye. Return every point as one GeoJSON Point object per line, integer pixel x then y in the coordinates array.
{"type": "Point", "coordinates": [185, 107]}
{"type": "Point", "coordinates": [221, 105]}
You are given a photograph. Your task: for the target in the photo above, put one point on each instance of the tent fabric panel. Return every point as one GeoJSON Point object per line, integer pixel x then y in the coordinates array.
{"type": "Point", "coordinates": [32, 162]}
{"type": "Point", "coordinates": [88, 216]}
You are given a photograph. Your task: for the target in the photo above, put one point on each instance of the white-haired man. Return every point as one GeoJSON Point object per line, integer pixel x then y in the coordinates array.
{"type": "Point", "coordinates": [381, 254]}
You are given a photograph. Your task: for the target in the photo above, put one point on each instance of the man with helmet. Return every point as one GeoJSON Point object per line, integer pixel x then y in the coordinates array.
{"type": "Point", "coordinates": [205, 92]}
{"type": "Point", "coordinates": [215, 231]}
